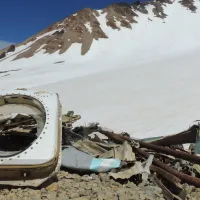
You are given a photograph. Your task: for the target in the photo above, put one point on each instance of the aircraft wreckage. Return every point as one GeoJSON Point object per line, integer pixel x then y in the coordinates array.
{"type": "Point", "coordinates": [36, 140]}
{"type": "Point", "coordinates": [30, 137]}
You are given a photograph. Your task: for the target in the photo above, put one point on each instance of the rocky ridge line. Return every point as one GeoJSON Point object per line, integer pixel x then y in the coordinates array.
{"type": "Point", "coordinates": [84, 27]}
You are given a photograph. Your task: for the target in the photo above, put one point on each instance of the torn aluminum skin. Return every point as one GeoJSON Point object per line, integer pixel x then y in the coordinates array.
{"type": "Point", "coordinates": [41, 159]}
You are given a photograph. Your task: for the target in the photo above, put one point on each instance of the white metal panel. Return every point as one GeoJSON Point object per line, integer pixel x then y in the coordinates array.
{"type": "Point", "coordinates": [45, 147]}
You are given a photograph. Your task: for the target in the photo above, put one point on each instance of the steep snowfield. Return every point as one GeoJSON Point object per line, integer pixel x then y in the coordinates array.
{"type": "Point", "coordinates": [144, 81]}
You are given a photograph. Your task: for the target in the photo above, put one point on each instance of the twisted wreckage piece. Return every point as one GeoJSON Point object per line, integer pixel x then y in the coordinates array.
{"type": "Point", "coordinates": [32, 131]}
{"type": "Point", "coordinates": [30, 137]}
{"type": "Point", "coordinates": [178, 154]}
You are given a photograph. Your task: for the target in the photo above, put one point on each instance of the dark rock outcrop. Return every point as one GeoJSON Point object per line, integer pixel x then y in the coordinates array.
{"type": "Point", "coordinates": [3, 55]}
{"type": "Point", "coordinates": [121, 12]}
{"type": "Point", "coordinates": [158, 10]}
{"type": "Point", "coordinates": [59, 32]}
{"type": "Point", "coordinates": [189, 4]}
{"type": "Point", "coordinates": [11, 48]}
{"type": "Point", "coordinates": [74, 30]}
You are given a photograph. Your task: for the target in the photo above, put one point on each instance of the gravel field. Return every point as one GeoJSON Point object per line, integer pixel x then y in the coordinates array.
{"type": "Point", "coordinates": [91, 187]}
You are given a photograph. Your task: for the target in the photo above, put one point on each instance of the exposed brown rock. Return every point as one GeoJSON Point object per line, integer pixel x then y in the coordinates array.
{"type": "Point", "coordinates": [87, 39]}
{"type": "Point", "coordinates": [158, 10]}
{"type": "Point", "coordinates": [11, 48]}
{"type": "Point", "coordinates": [58, 32]}
{"type": "Point", "coordinates": [140, 7]}
{"type": "Point", "coordinates": [33, 48]}
{"type": "Point", "coordinates": [53, 45]}
{"type": "Point", "coordinates": [112, 24]}
{"type": "Point", "coordinates": [120, 12]}
{"type": "Point", "coordinates": [166, 1]}
{"type": "Point", "coordinates": [74, 30]}
{"type": "Point", "coordinates": [126, 24]}
{"type": "Point", "coordinates": [3, 55]}
{"type": "Point", "coordinates": [189, 4]}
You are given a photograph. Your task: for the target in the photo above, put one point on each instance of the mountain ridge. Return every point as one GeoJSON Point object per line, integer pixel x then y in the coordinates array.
{"type": "Point", "coordinates": [143, 79]}
{"type": "Point", "coordinates": [84, 27]}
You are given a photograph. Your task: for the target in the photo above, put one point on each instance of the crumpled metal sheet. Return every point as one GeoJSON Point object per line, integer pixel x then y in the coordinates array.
{"type": "Point", "coordinates": [104, 165]}
{"type": "Point", "coordinates": [78, 160]}
{"type": "Point", "coordinates": [138, 168]}
{"type": "Point", "coordinates": [70, 117]}
{"type": "Point", "coordinates": [89, 147]}
{"type": "Point", "coordinates": [75, 159]}
{"type": "Point", "coordinates": [123, 152]}
{"type": "Point", "coordinates": [126, 174]}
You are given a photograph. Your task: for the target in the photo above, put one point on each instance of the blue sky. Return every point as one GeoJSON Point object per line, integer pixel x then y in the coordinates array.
{"type": "Point", "coordinates": [21, 19]}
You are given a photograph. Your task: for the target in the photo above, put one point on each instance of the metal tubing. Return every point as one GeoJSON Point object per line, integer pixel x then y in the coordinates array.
{"type": "Point", "coordinates": [186, 178]}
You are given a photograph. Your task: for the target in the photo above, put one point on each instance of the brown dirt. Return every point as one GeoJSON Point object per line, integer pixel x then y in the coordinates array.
{"type": "Point", "coordinates": [91, 187]}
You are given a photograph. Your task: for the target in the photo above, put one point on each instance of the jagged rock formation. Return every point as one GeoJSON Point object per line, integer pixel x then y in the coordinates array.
{"type": "Point", "coordinates": [4, 51]}
{"type": "Point", "coordinates": [11, 48]}
{"type": "Point", "coordinates": [84, 27]}
{"type": "Point", "coordinates": [73, 29]}
{"type": "Point", "coordinates": [121, 12]}
{"type": "Point", "coordinates": [189, 4]}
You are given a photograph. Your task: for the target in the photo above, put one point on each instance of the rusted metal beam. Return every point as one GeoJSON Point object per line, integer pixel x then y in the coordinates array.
{"type": "Point", "coordinates": [172, 180]}
{"type": "Point", "coordinates": [166, 193]}
{"type": "Point", "coordinates": [113, 136]}
{"type": "Point", "coordinates": [184, 177]}
{"type": "Point", "coordinates": [178, 154]}
{"type": "Point", "coordinates": [165, 174]}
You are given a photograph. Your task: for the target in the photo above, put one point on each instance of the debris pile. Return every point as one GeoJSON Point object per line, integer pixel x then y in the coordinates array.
{"type": "Point", "coordinates": [162, 161]}
{"type": "Point", "coordinates": [17, 132]}
{"type": "Point", "coordinates": [95, 160]}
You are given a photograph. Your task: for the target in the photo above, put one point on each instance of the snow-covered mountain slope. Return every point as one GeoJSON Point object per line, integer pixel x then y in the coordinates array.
{"type": "Point", "coordinates": [143, 80]}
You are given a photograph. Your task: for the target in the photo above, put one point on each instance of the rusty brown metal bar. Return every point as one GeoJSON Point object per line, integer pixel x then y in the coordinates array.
{"type": "Point", "coordinates": [166, 193]}
{"type": "Point", "coordinates": [172, 180]}
{"type": "Point", "coordinates": [113, 136]}
{"type": "Point", "coordinates": [184, 177]}
{"type": "Point", "coordinates": [165, 174]}
{"type": "Point", "coordinates": [178, 154]}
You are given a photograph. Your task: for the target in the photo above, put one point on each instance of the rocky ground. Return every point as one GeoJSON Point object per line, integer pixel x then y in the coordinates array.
{"type": "Point", "coordinates": [91, 187]}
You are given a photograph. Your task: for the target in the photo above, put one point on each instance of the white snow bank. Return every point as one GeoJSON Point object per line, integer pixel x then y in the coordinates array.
{"type": "Point", "coordinates": [144, 81]}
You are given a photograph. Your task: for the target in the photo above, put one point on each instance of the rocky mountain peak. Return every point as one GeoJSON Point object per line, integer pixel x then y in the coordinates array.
{"type": "Point", "coordinates": [119, 13]}
{"type": "Point", "coordinates": [84, 26]}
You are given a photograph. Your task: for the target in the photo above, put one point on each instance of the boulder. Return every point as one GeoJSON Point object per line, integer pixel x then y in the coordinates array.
{"type": "Point", "coordinates": [58, 32]}
{"type": "Point", "coordinates": [3, 55]}
{"type": "Point", "coordinates": [11, 48]}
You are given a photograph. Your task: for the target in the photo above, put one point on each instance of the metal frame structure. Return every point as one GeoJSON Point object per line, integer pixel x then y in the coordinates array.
{"type": "Point", "coordinates": [42, 159]}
